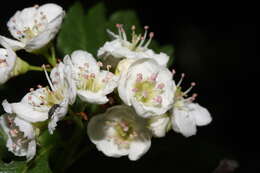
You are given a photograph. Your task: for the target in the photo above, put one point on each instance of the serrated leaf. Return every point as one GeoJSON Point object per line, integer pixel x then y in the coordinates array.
{"type": "Point", "coordinates": [80, 31]}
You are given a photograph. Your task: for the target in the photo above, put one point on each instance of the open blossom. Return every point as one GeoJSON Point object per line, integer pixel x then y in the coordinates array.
{"type": "Point", "coordinates": [46, 103]}
{"type": "Point", "coordinates": [92, 83]}
{"type": "Point", "coordinates": [120, 132]}
{"type": "Point", "coordinates": [10, 64]}
{"type": "Point", "coordinates": [148, 87]}
{"type": "Point", "coordinates": [186, 115]}
{"type": "Point", "coordinates": [20, 135]}
{"type": "Point", "coordinates": [121, 48]}
{"type": "Point", "coordinates": [34, 27]}
{"type": "Point", "coordinates": [7, 64]}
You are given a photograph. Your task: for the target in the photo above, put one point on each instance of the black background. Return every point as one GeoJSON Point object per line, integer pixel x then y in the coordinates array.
{"type": "Point", "coordinates": [215, 45]}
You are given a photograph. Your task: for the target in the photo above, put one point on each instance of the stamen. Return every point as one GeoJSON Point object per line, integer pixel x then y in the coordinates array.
{"type": "Point", "coordinates": [100, 64]}
{"type": "Point", "coordinates": [173, 71]}
{"type": "Point", "coordinates": [108, 67]}
{"type": "Point", "coordinates": [189, 89]}
{"type": "Point", "coordinates": [161, 86]}
{"type": "Point", "coordinates": [31, 89]}
{"type": "Point", "coordinates": [124, 34]}
{"type": "Point", "coordinates": [144, 37]}
{"type": "Point", "coordinates": [119, 30]}
{"type": "Point", "coordinates": [151, 35]}
{"type": "Point", "coordinates": [39, 86]}
{"type": "Point", "coordinates": [139, 77]}
{"type": "Point", "coordinates": [180, 81]}
{"type": "Point", "coordinates": [153, 77]}
{"type": "Point", "coordinates": [48, 79]}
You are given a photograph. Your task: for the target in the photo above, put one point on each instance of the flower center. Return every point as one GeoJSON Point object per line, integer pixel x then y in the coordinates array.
{"type": "Point", "coordinates": [28, 33]}
{"type": "Point", "coordinates": [148, 91]}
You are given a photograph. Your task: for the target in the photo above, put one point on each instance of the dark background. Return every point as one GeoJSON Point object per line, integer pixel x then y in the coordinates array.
{"type": "Point", "coordinates": [215, 45]}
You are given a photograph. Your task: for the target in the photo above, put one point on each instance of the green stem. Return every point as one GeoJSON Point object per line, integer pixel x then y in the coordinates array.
{"type": "Point", "coordinates": [51, 57]}
{"type": "Point", "coordinates": [35, 68]}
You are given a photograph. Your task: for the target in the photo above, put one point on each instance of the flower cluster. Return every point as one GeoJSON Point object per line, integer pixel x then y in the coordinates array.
{"type": "Point", "coordinates": [151, 103]}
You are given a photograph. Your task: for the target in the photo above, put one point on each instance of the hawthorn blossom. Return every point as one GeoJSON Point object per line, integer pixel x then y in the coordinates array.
{"type": "Point", "coordinates": [7, 64]}
{"type": "Point", "coordinates": [92, 83]}
{"type": "Point", "coordinates": [186, 115]}
{"type": "Point", "coordinates": [20, 135]}
{"type": "Point", "coordinates": [120, 47]}
{"type": "Point", "coordinates": [120, 132]}
{"type": "Point", "coordinates": [46, 103]}
{"type": "Point", "coordinates": [34, 27]}
{"type": "Point", "coordinates": [148, 87]}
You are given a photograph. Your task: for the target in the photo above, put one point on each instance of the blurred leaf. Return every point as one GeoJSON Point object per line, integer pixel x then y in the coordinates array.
{"type": "Point", "coordinates": [81, 31]}
{"type": "Point", "coordinates": [13, 167]}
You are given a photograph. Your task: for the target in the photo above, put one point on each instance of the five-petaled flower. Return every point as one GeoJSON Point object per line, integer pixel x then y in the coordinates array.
{"type": "Point", "coordinates": [120, 132]}
{"type": "Point", "coordinates": [34, 27]}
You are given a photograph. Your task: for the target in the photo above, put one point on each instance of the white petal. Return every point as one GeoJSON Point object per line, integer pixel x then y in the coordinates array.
{"type": "Point", "coordinates": [138, 149]}
{"type": "Point", "coordinates": [25, 127]}
{"type": "Point", "coordinates": [183, 123]}
{"type": "Point", "coordinates": [51, 11]}
{"type": "Point", "coordinates": [91, 97]}
{"type": "Point", "coordinates": [27, 112]}
{"type": "Point", "coordinates": [80, 58]}
{"type": "Point", "coordinates": [110, 149]}
{"type": "Point", "coordinates": [201, 114]}
{"type": "Point", "coordinates": [7, 107]}
{"type": "Point", "coordinates": [31, 150]}
{"type": "Point", "coordinates": [159, 125]}
{"type": "Point", "coordinates": [15, 45]}
{"type": "Point", "coordinates": [111, 84]}
{"type": "Point", "coordinates": [58, 114]}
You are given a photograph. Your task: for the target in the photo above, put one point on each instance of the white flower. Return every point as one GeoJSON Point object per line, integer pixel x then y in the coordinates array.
{"type": "Point", "coordinates": [120, 132]}
{"type": "Point", "coordinates": [34, 27]}
{"type": "Point", "coordinates": [148, 87]}
{"type": "Point", "coordinates": [186, 115]}
{"type": "Point", "coordinates": [92, 83]}
{"type": "Point", "coordinates": [120, 47]}
{"type": "Point", "coordinates": [21, 136]}
{"type": "Point", "coordinates": [45, 103]}
{"type": "Point", "coordinates": [159, 125]}
{"type": "Point", "coordinates": [7, 64]}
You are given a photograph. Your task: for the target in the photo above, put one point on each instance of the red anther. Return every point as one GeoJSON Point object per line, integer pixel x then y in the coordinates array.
{"type": "Point", "coordinates": [146, 27]}
{"type": "Point", "coordinates": [31, 89]}
{"type": "Point", "coordinates": [173, 71]}
{"type": "Point", "coordinates": [39, 86]}
{"type": "Point", "coordinates": [118, 25]}
{"type": "Point", "coordinates": [193, 83]}
{"type": "Point", "coordinates": [151, 35]}
{"type": "Point", "coordinates": [183, 75]}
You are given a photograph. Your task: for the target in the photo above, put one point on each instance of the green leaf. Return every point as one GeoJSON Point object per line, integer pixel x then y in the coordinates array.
{"type": "Point", "coordinates": [79, 31]}
{"type": "Point", "coordinates": [12, 167]}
